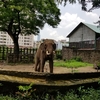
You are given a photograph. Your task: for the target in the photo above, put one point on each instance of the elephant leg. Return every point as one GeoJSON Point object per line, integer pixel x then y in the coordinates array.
{"type": "Point", "coordinates": [36, 64]}
{"type": "Point", "coordinates": [51, 66]}
{"type": "Point", "coordinates": [38, 69]}
{"type": "Point", "coordinates": [42, 66]}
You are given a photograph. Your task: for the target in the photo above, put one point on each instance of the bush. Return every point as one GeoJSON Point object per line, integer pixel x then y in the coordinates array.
{"type": "Point", "coordinates": [81, 93]}
{"type": "Point", "coordinates": [77, 59]}
{"type": "Point", "coordinates": [59, 54]}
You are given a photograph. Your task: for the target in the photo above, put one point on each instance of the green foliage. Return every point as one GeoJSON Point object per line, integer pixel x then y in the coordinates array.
{"type": "Point", "coordinates": [33, 15]}
{"type": "Point", "coordinates": [71, 95]}
{"type": "Point", "coordinates": [3, 52]}
{"type": "Point", "coordinates": [25, 91]}
{"type": "Point", "coordinates": [98, 64]}
{"type": "Point", "coordinates": [58, 54]}
{"type": "Point", "coordinates": [84, 3]}
{"type": "Point", "coordinates": [77, 59]}
{"type": "Point", "coordinates": [8, 97]}
{"type": "Point", "coordinates": [71, 64]}
{"type": "Point", "coordinates": [1, 84]}
{"type": "Point", "coordinates": [89, 93]}
{"type": "Point", "coordinates": [81, 93]}
{"type": "Point", "coordinates": [25, 88]}
{"type": "Point", "coordinates": [27, 17]}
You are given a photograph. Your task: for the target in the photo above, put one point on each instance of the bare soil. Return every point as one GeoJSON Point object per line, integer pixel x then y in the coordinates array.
{"type": "Point", "coordinates": [30, 68]}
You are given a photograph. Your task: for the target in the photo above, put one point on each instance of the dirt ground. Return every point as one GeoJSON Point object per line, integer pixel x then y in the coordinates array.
{"type": "Point", "coordinates": [30, 68]}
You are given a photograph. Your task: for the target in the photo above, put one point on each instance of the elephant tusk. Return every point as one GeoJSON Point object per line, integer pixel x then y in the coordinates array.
{"type": "Point", "coordinates": [54, 52]}
{"type": "Point", "coordinates": [47, 53]}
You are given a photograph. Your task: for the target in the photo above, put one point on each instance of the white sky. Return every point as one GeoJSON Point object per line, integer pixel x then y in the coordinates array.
{"type": "Point", "coordinates": [71, 16]}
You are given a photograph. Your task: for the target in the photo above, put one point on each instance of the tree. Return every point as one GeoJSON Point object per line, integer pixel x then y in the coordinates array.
{"type": "Point", "coordinates": [95, 3]}
{"type": "Point", "coordinates": [98, 22]}
{"type": "Point", "coordinates": [27, 17]}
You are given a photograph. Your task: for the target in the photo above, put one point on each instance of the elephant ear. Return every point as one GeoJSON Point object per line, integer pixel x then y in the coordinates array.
{"type": "Point", "coordinates": [54, 46]}
{"type": "Point", "coordinates": [42, 46]}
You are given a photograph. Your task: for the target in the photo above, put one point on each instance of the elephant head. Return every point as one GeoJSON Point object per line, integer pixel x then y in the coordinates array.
{"type": "Point", "coordinates": [48, 46]}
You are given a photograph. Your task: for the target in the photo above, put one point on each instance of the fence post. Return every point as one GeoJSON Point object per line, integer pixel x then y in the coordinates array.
{"type": "Point", "coordinates": [26, 54]}
{"type": "Point", "coordinates": [3, 53]}
{"type": "Point", "coordinates": [0, 52]}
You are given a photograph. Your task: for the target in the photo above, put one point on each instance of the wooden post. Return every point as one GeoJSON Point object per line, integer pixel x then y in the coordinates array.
{"type": "Point", "coordinates": [3, 51]}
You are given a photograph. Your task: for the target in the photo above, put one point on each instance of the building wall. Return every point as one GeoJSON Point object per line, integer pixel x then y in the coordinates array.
{"type": "Point", "coordinates": [67, 53]}
{"type": "Point", "coordinates": [24, 41]}
{"type": "Point", "coordinates": [3, 38]}
{"type": "Point", "coordinates": [90, 56]}
{"type": "Point", "coordinates": [82, 34]}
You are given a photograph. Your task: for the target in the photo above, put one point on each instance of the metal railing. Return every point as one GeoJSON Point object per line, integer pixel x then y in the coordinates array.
{"type": "Point", "coordinates": [85, 44]}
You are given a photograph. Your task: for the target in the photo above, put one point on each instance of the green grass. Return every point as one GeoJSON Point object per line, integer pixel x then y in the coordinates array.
{"type": "Point", "coordinates": [71, 63]}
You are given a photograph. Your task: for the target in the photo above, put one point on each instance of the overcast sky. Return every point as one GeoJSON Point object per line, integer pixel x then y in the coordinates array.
{"type": "Point", "coordinates": [71, 16]}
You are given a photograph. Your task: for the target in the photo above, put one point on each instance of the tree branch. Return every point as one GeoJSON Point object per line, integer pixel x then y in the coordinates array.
{"type": "Point", "coordinates": [10, 28]}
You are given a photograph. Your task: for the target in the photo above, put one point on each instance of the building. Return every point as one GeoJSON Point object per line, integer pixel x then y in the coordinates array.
{"type": "Point", "coordinates": [61, 43]}
{"type": "Point", "coordinates": [84, 36]}
{"type": "Point", "coordinates": [84, 43]}
{"type": "Point", "coordinates": [24, 40]}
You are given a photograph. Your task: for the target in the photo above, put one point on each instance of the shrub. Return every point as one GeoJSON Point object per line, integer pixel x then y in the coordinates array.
{"type": "Point", "coordinates": [77, 59]}
{"type": "Point", "coordinates": [58, 54]}
{"type": "Point", "coordinates": [81, 93]}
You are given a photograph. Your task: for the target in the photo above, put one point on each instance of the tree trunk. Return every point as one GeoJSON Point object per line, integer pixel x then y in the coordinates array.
{"type": "Point", "coordinates": [14, 34]}
{"type": "Point", "coordinates": [16, 47]}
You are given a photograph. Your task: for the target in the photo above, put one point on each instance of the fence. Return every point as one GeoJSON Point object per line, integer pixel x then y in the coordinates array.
{"type": "Point", "coordinates": [25, 54]}
{"type": "Point", "coordinates": [85, 44]}
{"type": "Point", "coordinates": [82, 44]}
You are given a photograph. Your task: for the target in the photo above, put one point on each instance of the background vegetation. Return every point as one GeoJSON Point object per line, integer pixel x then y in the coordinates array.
{"type": "Point", "coordinates": [72, 63]}
{"type": "Point", "coordinates": [27, 93]}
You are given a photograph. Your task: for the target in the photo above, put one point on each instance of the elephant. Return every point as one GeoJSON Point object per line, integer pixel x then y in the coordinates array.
{"type": "Point", "coordinates": [45, 52]}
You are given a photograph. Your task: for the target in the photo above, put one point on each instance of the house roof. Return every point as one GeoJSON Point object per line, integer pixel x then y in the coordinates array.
{"type": "Point", "coordinates": [92, 27]}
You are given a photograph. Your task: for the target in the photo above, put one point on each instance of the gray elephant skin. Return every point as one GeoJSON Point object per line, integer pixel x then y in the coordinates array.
{"type": "Point", "coordinates": [45, 52]}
